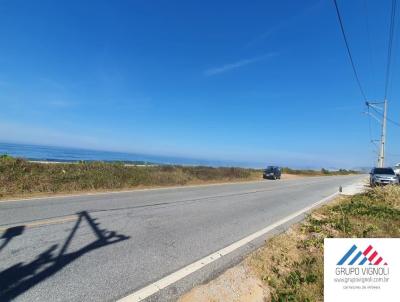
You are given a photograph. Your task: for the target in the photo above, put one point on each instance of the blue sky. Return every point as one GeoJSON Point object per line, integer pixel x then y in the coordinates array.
{"type": "Point", "coordinates": [246, 81]}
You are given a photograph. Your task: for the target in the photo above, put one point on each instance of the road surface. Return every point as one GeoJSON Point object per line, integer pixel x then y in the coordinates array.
{"type": "Point", "coordinates": [105, 247]}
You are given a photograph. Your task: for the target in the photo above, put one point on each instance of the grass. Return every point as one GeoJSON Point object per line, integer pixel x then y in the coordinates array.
{"type": "Point", "coordinates": [322, 172]}
{"type": "Point", "coordinates": [291, 264]}
{"type": "Point", "coordinates": [19, 177]}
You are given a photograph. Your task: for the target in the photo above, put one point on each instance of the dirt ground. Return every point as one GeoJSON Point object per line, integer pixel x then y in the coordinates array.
{"type": "Point", "coordinates": [236, 284]}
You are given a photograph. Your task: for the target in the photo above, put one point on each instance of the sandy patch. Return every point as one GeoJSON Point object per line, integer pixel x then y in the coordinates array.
{"type": "Point", "coordinates": [291, 176]}
{"type": "Point", "coordinates": [236, 284]}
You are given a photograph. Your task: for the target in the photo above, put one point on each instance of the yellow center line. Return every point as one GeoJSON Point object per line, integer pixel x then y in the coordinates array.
{"type": "Point", "coordinates": [42, 222]}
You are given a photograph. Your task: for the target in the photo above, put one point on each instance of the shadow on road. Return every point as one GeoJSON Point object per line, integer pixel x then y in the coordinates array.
{"type": "Point", "coordinates": [10, 233]}
{"type": "Point", "coordinates": [20, 277]}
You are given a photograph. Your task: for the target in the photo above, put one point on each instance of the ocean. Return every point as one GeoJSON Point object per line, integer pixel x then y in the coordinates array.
{"type": "Point", "coordinates": [67, 154]}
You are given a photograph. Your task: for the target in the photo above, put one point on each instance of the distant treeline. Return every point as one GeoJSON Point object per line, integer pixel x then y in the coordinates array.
{"type": "Point", "coordinates": [321, 172]}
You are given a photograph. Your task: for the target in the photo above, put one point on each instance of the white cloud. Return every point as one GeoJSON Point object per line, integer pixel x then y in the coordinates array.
{"type": "Point", "coordinates": [235, 65]}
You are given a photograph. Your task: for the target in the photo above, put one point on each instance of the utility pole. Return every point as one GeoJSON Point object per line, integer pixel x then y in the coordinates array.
{"type": "Point", "coordinates": [382, 120]}
{"type": "Point", "coordinates": [381, 160]}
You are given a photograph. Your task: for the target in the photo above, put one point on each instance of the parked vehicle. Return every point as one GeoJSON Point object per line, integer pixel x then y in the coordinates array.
{"type": "Point", "coordinates": [272, 172]}
{"type": "Point", "coordinates": [382, 176]}
{"type": "Point", "coordinates": [397, 169]}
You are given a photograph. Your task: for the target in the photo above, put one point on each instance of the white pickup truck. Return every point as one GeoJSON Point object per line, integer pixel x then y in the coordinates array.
{"type": "Point", "coordinates": [397, 169]}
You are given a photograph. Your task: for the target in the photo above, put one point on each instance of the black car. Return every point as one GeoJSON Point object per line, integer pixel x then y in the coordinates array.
{"type": "Point", "coordinates": [272, 172]}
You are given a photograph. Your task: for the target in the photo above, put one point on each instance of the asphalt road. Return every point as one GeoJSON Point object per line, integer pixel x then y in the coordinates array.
{"type": "Point", "coordinates": [104, 247]}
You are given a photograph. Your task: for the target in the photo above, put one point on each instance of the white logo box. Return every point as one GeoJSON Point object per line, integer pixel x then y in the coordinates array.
{"type": "Point", "coordinates": [361, 269]}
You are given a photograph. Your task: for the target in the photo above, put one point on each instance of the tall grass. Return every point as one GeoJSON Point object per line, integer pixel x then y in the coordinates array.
{"type": "Point", "coordinates": [20, 177]}
{"type": "Point", "coordinates": [321, 172]}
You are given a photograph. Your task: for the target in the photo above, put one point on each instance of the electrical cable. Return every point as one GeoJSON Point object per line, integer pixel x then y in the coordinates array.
{"type": "Point", "coordinates": [370, 52]}
{"type": "Point", "coordinates": [390, 45]}
{"type": "Point", "coordinates": [348, 51]}
{"type": "Point", "coordinates": [387, 118]}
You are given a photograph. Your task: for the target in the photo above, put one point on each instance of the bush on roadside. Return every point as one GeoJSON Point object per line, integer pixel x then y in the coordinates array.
{"type": "Point", "coordinates": [322, 172]}
{"type": "Point", "coordinates": [19, 177]}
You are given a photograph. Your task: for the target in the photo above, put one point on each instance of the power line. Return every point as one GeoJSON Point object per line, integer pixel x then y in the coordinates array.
{"type": "Point", "coordinates": [372, 141]}
{"type": "Point", "coordinates": [387, 79]}
{"type": "Point", "coordinates": [381, 114]}
{"type": "Point", "coordinates": [370, 52]}
{"type": "Point", "coordinates": [369, 126]}
{"type": "Point", "coordinates": [394, 58]}
{"type": "Point", "coordinates": [348, 51]}
{"type": "Point", "coordinates": [393, 122]}
{"type": "Point", "coordinates": [391, 35]}
{"type": "Point", "coordinates": [372, 75]}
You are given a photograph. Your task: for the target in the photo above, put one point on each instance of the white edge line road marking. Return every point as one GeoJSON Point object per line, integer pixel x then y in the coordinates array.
{"type": "Point", "coordinates": [155, 287]}
{"type": "Point", "coordinates": [152, 189]}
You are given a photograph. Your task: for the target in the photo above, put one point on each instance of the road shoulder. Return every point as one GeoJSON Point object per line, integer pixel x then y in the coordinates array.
{"type": "Point", "coordinates": [290, 265]}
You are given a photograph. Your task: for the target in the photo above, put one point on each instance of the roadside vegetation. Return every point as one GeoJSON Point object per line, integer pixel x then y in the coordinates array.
{"type": "Point", "coordinates": [322, 172]}
{"type": "Point", "coordinates": [290, 265]}
{"type": "Point", "coordinates": [19, 177]}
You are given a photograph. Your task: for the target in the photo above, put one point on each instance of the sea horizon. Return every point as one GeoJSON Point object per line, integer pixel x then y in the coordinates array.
{"type": "Point", "coordinates": [48, 153]}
